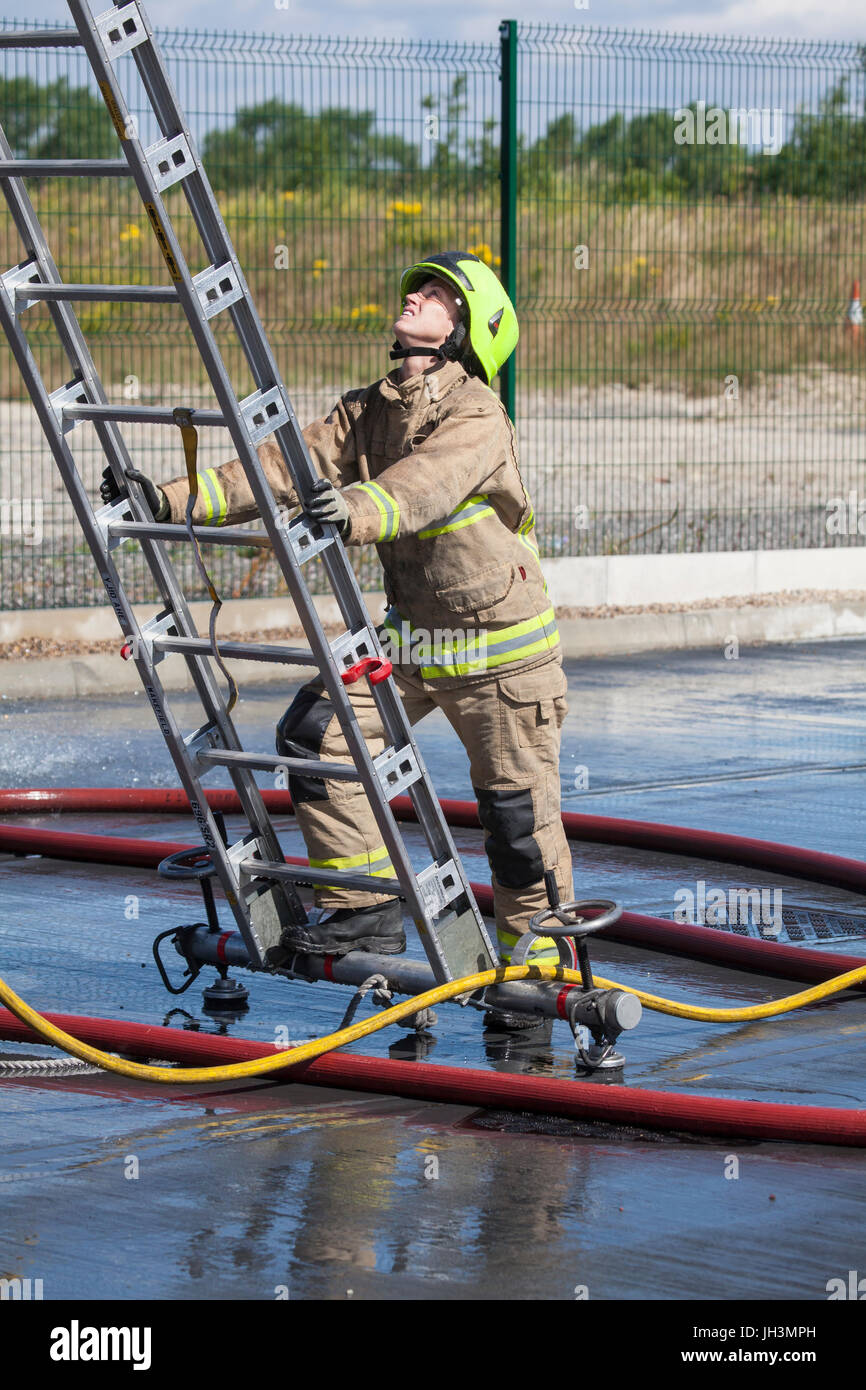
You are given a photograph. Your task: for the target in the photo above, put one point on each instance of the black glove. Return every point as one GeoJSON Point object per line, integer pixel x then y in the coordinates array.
{"type": "Point", "coordinates": [325, 503]}
{"type": "Point", "coordinates": [153, 495]}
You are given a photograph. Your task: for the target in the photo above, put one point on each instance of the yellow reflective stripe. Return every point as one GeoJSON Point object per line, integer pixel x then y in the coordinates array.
{"type": "Point", "coordinates": [357, 861]}
{"type": "Point", "coordinates": [466, 667]}
{"type": "Point", "coordinates": [469, 669]}
{"type": "Point", "coordinates": [456, 525]}
{"type": "Point", "coordinates": [455, 522]}
{"type": "Point", "coordinates": [391, 519]}
{"type": "Point", "coordinates": [508, 634]}
{"type": "Point", "coordinates": [208, 497]}
{"type": "Point", "coordinates": [492, 644]}
{"type": "Point", "coordinates": [541, 946]}
{"type": "Point", "coordinates": [212, 495]}
{"type": "Point", "coordinates": [496, 636]}
{"type": "Point", "coordinates": [387, 507]}
{"type": "Point", "coordinates": [531, 546]}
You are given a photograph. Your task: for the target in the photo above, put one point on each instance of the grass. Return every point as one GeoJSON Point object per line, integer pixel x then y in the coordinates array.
{"type": "Point", "coordinates": [673, 292]}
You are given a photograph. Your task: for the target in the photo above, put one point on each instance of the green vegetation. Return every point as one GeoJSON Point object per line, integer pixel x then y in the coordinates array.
{"type": "Point", "coordinates": [699, 257]}
{"type": "Point", "coordinates": [275, 146]}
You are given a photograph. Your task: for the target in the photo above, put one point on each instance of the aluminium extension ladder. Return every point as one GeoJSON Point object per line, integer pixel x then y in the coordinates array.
{"type": "Point", "coordinates": [258, 883]}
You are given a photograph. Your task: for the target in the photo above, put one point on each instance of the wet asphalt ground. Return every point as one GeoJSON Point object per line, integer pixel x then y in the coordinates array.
{"type": "Point", "coordinates": [270, 1190]}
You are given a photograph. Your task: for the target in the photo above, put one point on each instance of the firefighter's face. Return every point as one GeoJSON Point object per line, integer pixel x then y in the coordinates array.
{"type": "Point", "coordinates": [429, 315]}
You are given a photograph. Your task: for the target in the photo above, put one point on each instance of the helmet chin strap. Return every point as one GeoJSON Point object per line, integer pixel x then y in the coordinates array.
{"type": "Point", "coordinates": [449, 351]}
{"type": "Point", "coordinates": [397, 352]}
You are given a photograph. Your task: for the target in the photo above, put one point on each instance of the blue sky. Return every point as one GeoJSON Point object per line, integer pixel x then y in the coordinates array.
{"type": "Point", "coordinates": [821, 19]}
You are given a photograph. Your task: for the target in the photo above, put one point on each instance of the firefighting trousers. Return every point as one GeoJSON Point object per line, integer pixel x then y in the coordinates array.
{"type": "Point", "coordinates": [510, 728]}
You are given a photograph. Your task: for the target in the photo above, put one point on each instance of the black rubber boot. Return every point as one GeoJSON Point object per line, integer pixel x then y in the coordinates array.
{"type": "Point", "coordinates": [500, 1021]}
{"type": "Point", "coordinates": [378, 928]}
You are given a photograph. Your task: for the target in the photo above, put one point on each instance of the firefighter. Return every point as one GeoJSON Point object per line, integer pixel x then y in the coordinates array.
{"type": "Point", "coordinates": [423, 464]}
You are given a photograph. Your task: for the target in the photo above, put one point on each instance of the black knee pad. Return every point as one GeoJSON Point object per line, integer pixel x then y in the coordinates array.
{"type": "Point", "coordinates": [299, 735]}
{"type": "Point", "coordinates": [511, 847]}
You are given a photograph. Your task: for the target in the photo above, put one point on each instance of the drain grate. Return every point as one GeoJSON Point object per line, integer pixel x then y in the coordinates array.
{"type": "Point", "coordinates": [797, 924]}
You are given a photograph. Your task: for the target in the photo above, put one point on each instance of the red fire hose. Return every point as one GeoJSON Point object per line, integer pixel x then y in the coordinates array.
{"type": "Point", "coordinates": [507, 1091]}
{"type": "Point", "coordinates": [806, 1124]}
{"type": "Point", "coordinates": [831, 869]}
{"type": "Point", "coordinates": [633, 929]}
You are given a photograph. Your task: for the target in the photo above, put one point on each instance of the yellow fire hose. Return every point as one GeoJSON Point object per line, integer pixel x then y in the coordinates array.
{"type": "Point", "coordinates": [177, 1076]}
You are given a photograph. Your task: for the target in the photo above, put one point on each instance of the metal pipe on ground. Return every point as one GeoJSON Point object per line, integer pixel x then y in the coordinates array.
{"type": "Point", "coordinates": [404, 976]}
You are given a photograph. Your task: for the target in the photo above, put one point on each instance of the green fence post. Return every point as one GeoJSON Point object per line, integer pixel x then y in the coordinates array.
{"type": "Point", "coordinates": [508, 187]}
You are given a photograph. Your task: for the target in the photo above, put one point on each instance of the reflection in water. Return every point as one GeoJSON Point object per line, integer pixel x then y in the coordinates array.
{"type": "Point", "coordinates": [320, 1196]}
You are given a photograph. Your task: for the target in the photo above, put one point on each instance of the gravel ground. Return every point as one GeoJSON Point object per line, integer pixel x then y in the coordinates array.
{"type": "Point", "coordinates": [611, 470]}
{"type": "Point", "coordinates": [785, 598]}
{"type": "Point", "coordinates": [32, 648]}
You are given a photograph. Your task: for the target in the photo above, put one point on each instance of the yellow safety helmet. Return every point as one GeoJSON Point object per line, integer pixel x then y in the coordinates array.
{"type": "Point", "coordinates": [488, 333]}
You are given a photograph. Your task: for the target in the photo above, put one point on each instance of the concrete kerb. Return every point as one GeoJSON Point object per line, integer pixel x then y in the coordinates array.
{"type": "Point", "coordinates": [100, 673]}
{"type": "Point", "coordinates": [590, 581]}
{"type": "Point", "coordinates": [106, 673]}
{"type": "Point", "coordinates": [97, 673]}
{"type": "Point", "coordinates": [99, 624]}
{"type": "Point", "coordinates": [628, 633]}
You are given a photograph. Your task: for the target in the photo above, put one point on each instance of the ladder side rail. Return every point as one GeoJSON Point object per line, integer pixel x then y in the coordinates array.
{"type": "Point", "coordinates": [203, 207]}
{"type": "Point", "coordinates": [113, 585]}
{"type": "Point", "coordinates": [265, 370]}
{"type": "Point", "coordinates": [195, 185]}
{"type": "Point", "coordinates": [113, 444]}
{"type": "Point", "coordinates": [262, 362]}
{"type": "Point", "coordinates": [347, 588]}
{"type": "Point", "coordinates": [114, 448]}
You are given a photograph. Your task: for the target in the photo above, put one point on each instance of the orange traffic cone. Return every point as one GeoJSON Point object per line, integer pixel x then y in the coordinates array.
{"type": "Point", "coordinates": [855, 312]}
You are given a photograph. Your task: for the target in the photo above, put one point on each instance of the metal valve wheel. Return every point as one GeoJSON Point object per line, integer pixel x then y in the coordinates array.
{"type": "Point", "coordinates": [195, 862]}
{"type": "Point", "coordinates": [570, 919]}
{"type": "Point", "coordinates": [563, 922]}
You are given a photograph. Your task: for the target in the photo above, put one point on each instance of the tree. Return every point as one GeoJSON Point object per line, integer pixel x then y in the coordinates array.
{"type": "Point", "coordinates": [826, 155]}
{"type": "Point", "coordinates": [55, 121]}
{"type": "Point", "coordinates": [275, 145]}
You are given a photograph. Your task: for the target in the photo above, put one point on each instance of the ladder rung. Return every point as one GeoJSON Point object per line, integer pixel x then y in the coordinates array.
{"type": "Point", "coordinates": [111, 294]}
{"type": "Point", "coordinates": [140, 414]}
{"type": "Point", "coordinates": [173, 531]}
{"type": "Point", "coordinates": [296, 873]}
{"type": "Point", "coordinates": [271, 762]}
{"type": "Point", "coordinates": [241, 651]}
{"type": "Point", "coordinates": [39, 38]}
{"type": "Point", "coordinates": [64, 168]}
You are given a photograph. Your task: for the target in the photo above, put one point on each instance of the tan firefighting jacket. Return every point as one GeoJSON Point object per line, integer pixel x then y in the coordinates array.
{"type": "Point", "coordinates": [430, 474]}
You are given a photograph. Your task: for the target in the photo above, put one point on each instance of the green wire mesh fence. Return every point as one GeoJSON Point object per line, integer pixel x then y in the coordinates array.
{"type": "Point", "coordinates": [688, 230]}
